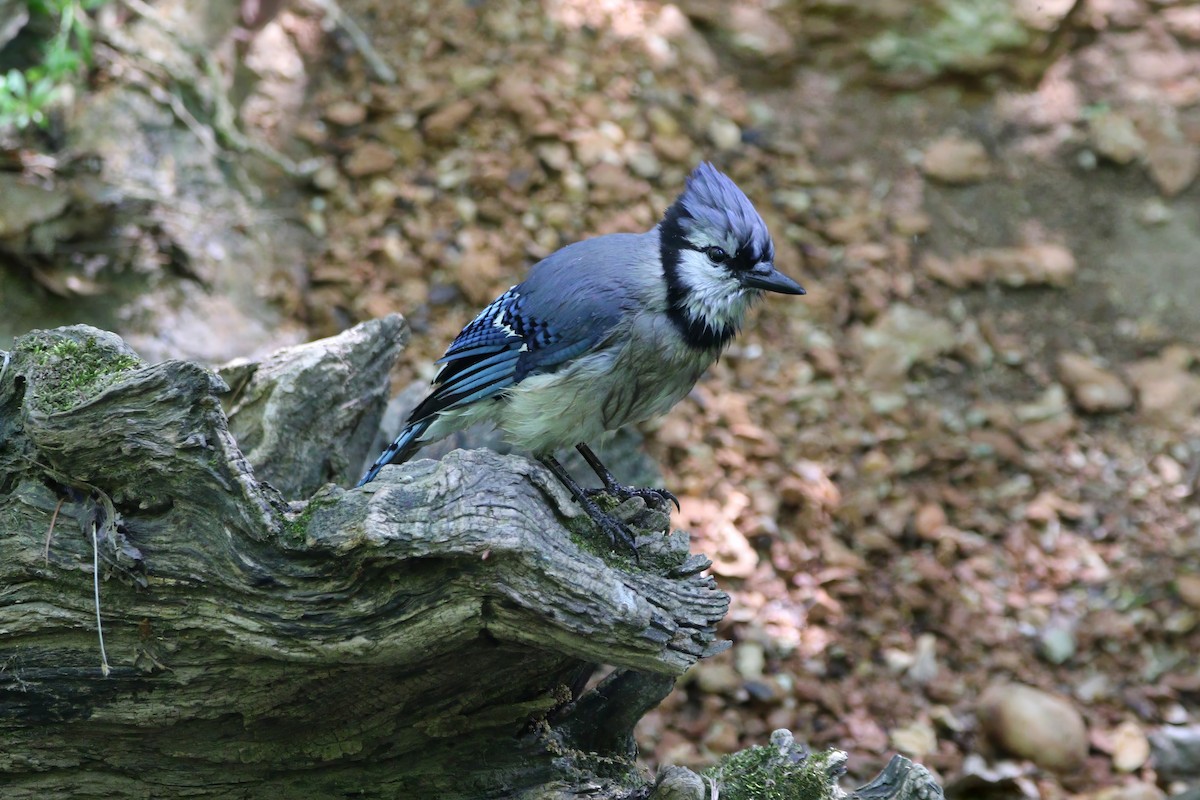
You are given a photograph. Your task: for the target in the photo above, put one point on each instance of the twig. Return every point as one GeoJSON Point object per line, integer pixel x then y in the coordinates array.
{"type": "Point", "coordinates": [359, 39]}
{"type": "Point", "coordinates": [104, 670]}
{"type": "Point", "coordinates": [50, 532]}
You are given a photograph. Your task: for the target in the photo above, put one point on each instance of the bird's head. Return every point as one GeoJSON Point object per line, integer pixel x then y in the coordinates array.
{"type": "Point", "coordinates": [718, 258]}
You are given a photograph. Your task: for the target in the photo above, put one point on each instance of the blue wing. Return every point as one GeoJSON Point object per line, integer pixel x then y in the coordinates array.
{"type": "Point", "coordinates": [502, 346]}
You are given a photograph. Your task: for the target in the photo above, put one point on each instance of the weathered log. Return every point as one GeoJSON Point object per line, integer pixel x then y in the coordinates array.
{"type": "Point", "coordinates": [428, 635]}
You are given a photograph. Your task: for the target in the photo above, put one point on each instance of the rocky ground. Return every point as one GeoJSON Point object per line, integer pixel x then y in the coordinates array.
{"type": "Point", "coordinates": [969, 458]}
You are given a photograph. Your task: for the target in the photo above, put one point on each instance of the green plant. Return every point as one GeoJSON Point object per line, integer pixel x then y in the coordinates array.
{"type": "Point", "coordinates": [25, 94]}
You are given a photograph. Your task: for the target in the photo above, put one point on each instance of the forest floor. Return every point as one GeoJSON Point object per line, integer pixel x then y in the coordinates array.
{"type": "Point", "coordinates": [969, 457]}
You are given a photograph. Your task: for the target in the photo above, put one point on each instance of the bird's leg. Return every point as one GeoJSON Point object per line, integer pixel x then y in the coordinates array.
{"type": "Point", "coordinates": [618, 490]}
{"type": "Point", "coordinates": [616, 529]}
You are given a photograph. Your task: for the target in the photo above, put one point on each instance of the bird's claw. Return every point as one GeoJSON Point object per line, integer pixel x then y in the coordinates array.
{"type": "Point", "coordinates": [655, 497]}
{"type": "Point", "coordinates": [617, 531]}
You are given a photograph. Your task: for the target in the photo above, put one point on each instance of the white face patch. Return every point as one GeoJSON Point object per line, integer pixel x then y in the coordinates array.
{"type": "Point", "coordinates": [711, 294]}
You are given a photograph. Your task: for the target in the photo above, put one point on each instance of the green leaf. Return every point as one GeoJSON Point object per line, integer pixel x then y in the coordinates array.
{"type": "Point", "coordinates": [16, 82]}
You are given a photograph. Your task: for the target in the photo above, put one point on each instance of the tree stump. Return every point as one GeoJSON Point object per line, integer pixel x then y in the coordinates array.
{"type": "Point", "coordinates": [172, 626]}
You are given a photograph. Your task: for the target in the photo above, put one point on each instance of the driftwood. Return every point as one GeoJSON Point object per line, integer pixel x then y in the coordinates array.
{"type": "Point", "coordinates": [430, 635]}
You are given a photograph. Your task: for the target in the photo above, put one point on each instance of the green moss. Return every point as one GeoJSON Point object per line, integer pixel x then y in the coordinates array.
{"type": "Point", "coordinates": [71, 372]}
{"type": "Point", "coordinates": [763, 773]}
{"type": "Point", "coordinates": [589, 537]}
{"type": "Point", "coordinates": [296, 528]}
{"type": "Point", "coordinates": [960, 36]}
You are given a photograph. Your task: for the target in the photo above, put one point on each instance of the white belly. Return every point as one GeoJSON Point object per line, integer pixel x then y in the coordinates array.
{"type": "Point", "coordinates": [596, 395]}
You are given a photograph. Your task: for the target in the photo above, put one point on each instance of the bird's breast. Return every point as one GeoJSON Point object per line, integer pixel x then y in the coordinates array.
{"type": "Point", "coordinates": [638, 379]}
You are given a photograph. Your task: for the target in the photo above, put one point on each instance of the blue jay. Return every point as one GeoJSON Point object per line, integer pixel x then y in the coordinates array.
{"type": "Point", "coordinates": [603, 333]}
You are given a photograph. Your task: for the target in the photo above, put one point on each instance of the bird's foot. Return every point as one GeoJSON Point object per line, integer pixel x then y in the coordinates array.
{"type": "Point", "coordinates": [617, 531]}
{"type": "Point", "coordinates": [657, 498]}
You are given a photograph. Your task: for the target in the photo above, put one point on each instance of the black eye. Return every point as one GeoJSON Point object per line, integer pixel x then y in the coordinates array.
{"type": "Point", "coordinates": [716, 255]}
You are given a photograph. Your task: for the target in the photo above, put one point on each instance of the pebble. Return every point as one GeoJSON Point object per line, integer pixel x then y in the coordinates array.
{"type": "Point", "coordinates": [443, 125]}
{"type": "Point", "coordinates": [956, 160]}
{"type": "Point", "coordinates": [345, 113]}
{"type": "Point", "coordinates": [661, 122]}
{"type": "Point", "coordinates": [724, 133]}
{"type": "Point", "coordinates": [902, 337]}
{"type": "Point", "coordinates": [915, 740]}
{"type": "Point", "coordinates": [717, 678]}
{"type": "Point", "coordinates": [369, 158]}
{"type": "Point", "coordinates": [1138, 790]}
{"type": "Point", "coordinates": [1130, 747]}
{"type": "Point", "coordinates": [756, 36]}
{"type": "Point", "coordinates": [1115, 137]}
{"type": "Point", "coordinates": [1093, 389]}
{"type": "Point", "coordinates": [1030, 265]}
{"type": "Point", "coordinates": [1187, 586]}
{"type": "Point", "coordinates": [750, 659]}
{"type": "Point", "coordinates": [1166, 389]}
{"type": "Point", "coordinates": [1029, 723]}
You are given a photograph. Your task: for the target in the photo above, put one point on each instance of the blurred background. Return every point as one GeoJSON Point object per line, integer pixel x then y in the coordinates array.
{"type": "Point", "coordinates": [952, 491]}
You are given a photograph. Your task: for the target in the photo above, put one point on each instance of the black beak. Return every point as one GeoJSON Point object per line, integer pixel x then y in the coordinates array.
{"type": "Point", "coordinates": [764, 276]}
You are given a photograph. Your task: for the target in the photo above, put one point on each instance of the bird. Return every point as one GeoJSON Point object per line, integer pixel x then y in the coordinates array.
{"type": "Point", "coordinates": [605, 332]}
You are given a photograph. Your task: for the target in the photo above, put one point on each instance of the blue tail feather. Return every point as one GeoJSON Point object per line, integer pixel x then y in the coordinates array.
{"type": "Point", "coordinates": [400, 450]}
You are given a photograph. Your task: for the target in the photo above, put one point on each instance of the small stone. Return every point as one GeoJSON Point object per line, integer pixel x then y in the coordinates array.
{"type": "Point", "coordinates": [915, 740]}
{"type": "Point", "coordinates": [612, 184]}
{"type": "Point", "coordinates": [1154, 212]}
{"type": "Point", "coordinates": [755, 35]}
{"type": "Point", "coordinates": [593, 147]}
{"type": "Point", "coordinates": [1173, 162]}
{"type": "Point", "coordinates": [929, 520]}
{"type": "Point", "coordinates": [1115, 137]}
{"type": "Point", "coordinates": [444, 124]}
{"type": "Point", "coordinates": [750, 660]}
{"type": "Point", "coordinates": [722, 737]}
{"type": "Point", "coordinates": [325, 178]}
{"type": "Point", "coordinates": [1031, 265]}
{"type": "Point", "coordinates": [1057, 643]}
{"type": "Point", "coordinates": [1188, 588]}
{"type": "Point", "coordinates": [1029, 723]}
{"type": "Point", "coordinates": [478, 275]}
{"type": "Point", "coordinates": [369, 158]}
{"type": "Point", "coordinates": [902, 337]}
{"type": "Point", "coordinates": [471, 79]}
{"type": "Point", "coordinates": [924, 669]}
{"type": "Point", "coordinates": [724, 133]}
{"type": "Point", "coordinates": [519, 94]}
{"type": "Point", "coordinates": [345, 113]}
{"type": "Point", "coordinates": [643, 162]}
{"type": "Point", "coordinates": [555, 155]}
{"type": "Point", "coordinates": [797, 201]}
{"type": "Point", "coordinates": [1093, 388]}
{"type": "Point", "coordinates": [1183, 22]}
{"type": "Point", "coordinates": [1130, 747]}
{"type": "Point", "coordinates": [717, 678]}
{"type": "Point", "coordinates": [1137, 790]}
{"type": "Point", "coordinates": [956, 160]}
{"type": "Point", "coordinates": [661, 121]}
{"type": "Point", "coordinates": [1166, 389]}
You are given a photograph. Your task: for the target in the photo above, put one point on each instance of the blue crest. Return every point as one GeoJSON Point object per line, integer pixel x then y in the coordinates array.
{"type": "Point", "coordinates": [714, 201]}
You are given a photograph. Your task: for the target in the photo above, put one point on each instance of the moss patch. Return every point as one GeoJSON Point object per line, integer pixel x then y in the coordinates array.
{"type": "Point", "coordinates": [69, 372]}
{"type": "Point", "coordinates": [764, 773]}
